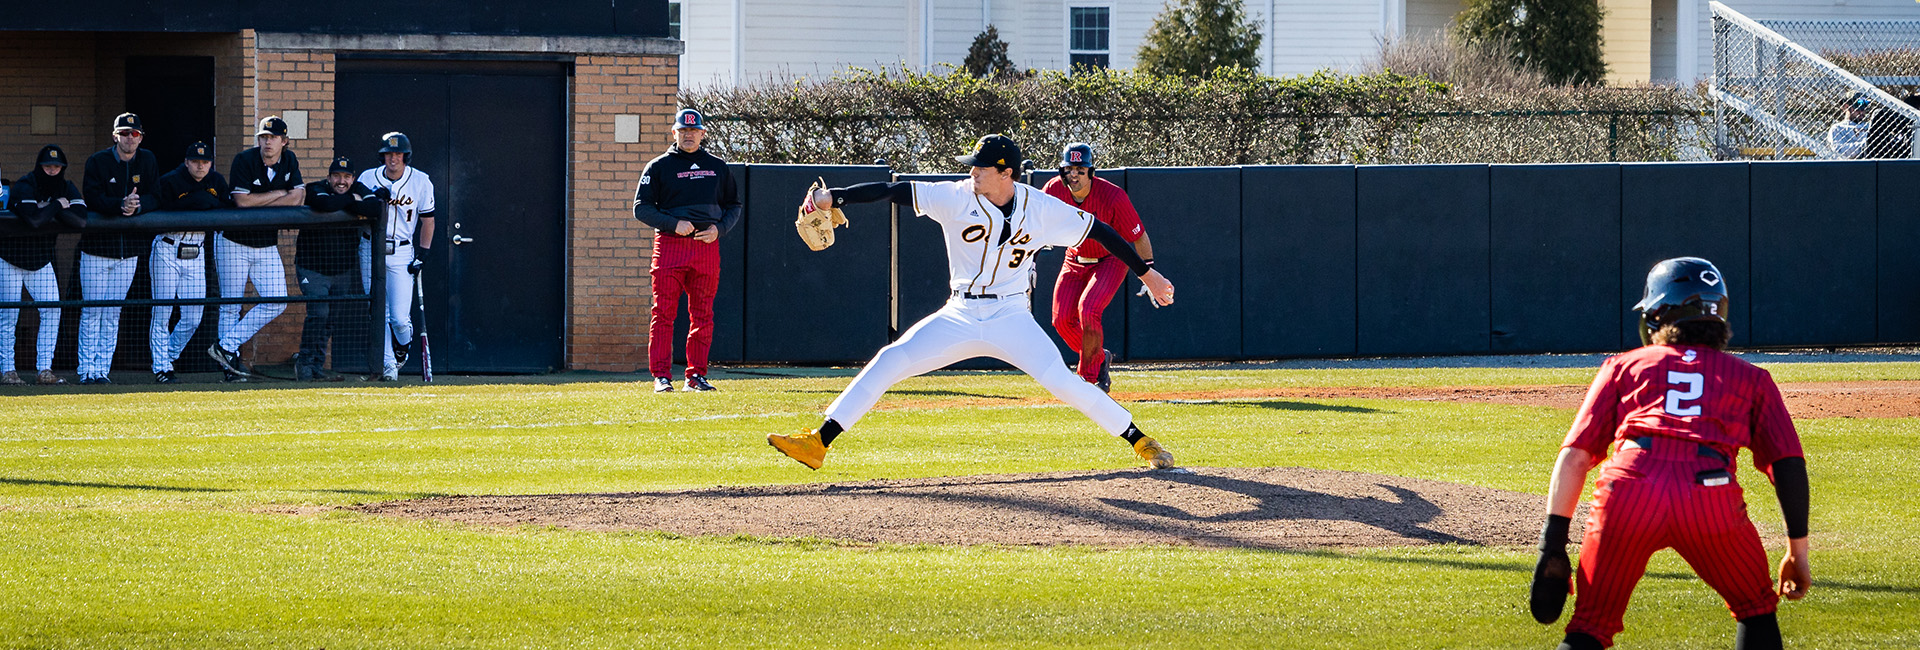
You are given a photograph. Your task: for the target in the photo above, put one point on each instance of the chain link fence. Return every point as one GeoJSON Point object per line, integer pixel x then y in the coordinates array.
{"type": "Point", "coordinates": [1777, 99]}
{"type": "Point", "coordinates": [1885, 53]}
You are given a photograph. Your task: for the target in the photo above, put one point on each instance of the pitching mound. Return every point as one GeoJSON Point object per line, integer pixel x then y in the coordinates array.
{"type": "Point", "coordinates": [1268, 508]}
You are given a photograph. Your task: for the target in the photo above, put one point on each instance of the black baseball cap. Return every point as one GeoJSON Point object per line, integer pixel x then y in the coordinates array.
{"type": "Point", "coordinates": [127, 121]}
{"type": "Point", "coordinates": [993, 151]}
{"type": "Point", "coordinates": [200, 151]}
{"type": "Point", "coordinates": [688, 118]}
{"type": "Point", "coordinates": [272, 125]}
{"type": "Point", "coordinates": [339, 165]}
{"type": "Point", "coordinates": [52, 155]}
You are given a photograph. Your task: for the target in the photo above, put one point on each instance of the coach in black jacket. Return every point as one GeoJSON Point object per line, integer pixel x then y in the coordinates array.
{"type": "Point", "coordinates": [323, 258]}
{"type": "Point", "coordinates": [690, 199]}
{"type": "Point", "coordinates": [121, 181]}
{"type": "Point", "coordinates": [41, 198]}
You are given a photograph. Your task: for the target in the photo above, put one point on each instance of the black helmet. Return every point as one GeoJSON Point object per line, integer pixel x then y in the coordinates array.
{"type": "Point", "coordinates": [396, 142]}
{"type": "Point", "coordinates": [1078, 154]}
{"type": "Point", "coordinates": [1679, 290]}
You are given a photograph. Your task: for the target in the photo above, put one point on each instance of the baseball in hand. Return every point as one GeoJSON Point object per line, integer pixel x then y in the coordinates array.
{"type": "Point", "coordinates": [1157, 287]}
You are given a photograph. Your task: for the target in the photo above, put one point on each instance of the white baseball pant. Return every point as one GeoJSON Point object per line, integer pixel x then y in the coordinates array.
{"type": "Point", "coordinates": [172, 277]}
{"type": "Point", "coordinates": [399, 295]}
{"type": "Point", "coordinates": [41, 285]}
{"type": "Point", "coordinates": [102, 278]}
{"type": "Point", "coordinates": [1002, 328]}
{"type": "Point", "coordinates": [237, 265]}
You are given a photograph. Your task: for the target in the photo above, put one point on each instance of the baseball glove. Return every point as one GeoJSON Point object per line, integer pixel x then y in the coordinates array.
{"type": "Point", "coordinates": [816, 225]}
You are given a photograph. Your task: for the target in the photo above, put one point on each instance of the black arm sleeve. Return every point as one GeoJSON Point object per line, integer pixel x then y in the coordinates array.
{"type": "Point", "coordinates": [645, 204]}
{"type": "Point", "coordinates": [1118, 246]}
{"type": "Point", "coordinates": [900, 193]}
{"type": "Point", "coordinates": [1790, 485]}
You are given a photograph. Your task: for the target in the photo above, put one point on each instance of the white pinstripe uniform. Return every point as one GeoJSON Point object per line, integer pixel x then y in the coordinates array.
{"type": "Point", "coordinates": [990, 272]}
{"type": "Point", "coordinates": [412, 197]}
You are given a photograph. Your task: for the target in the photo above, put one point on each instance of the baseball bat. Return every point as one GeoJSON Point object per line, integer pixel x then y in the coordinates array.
{"type": "Point", "coordinates": [426, 347]}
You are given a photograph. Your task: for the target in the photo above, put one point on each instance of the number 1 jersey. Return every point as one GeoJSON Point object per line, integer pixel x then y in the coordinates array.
{"type": "Point", "coordinates": [1686, 392]}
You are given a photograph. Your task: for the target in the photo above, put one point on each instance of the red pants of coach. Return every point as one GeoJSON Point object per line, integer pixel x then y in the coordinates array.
{"type": "Point", "coordinates": [1080, 297]}
{"type": "Point", "coordinates": [1647, 500]}
{"type": "Point", "coordinates": [682, 265]}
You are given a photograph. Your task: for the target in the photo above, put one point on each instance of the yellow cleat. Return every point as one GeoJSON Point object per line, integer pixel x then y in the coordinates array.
{"type": "Point", "coordinates": [806, 448]}
{"type": "Point", "coordinates": [1157, 457]}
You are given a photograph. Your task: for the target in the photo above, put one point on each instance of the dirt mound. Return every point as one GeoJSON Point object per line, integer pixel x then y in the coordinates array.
{"type": "Point", "coordinates": [1267, 508]}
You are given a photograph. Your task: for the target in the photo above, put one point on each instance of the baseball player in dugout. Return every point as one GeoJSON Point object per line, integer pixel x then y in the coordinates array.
{"type": "Point", "coordinates": [320, 260]}
{"type": "Point", "coordinates": [993, 226]}
{"type": "Point", "coordinates": [1090, 276]}
{"type": "Point", "coordinates": [178, 267]}
{"type": "Point", "coordinates": [1669, 420]}
{"type": "Point", "coordinates": [265, 175]}
{"type": "Point", "coordinates": [122, 181]}
{"type": "Point", "coordinates": [408, 195]}
{"type": "Point", "coordinates": [41, 199]}
{"type": "Point", "coordinates": [689, 198]}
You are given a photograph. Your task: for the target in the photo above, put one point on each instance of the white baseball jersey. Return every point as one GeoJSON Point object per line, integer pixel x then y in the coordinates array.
{"type": "Point", "coordinates": [412, 197]}
{"type": "Point", "coordinates": [989, 252]}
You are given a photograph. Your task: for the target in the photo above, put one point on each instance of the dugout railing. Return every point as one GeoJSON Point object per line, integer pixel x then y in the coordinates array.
{"type": "Point", "coordinates": [356, 327]}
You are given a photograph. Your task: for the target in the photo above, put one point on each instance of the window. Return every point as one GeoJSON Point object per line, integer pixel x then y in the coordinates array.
{"type": "Point", "coordinates": [673, 19]}
{"type": "Point", "coordinates": [1087, 36]}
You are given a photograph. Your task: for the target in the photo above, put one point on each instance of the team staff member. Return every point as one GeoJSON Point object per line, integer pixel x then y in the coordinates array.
{"type": "Point", "coordinates": [178, 267]}
{"type": "Point", "coordinates": [320, 260]}
{"type": "Point", "coordinates": [266, 175]}
{"type": "Point", "coordinates": [121, 181]}
{"type": "Point", "coordinates": [1675, 414]}
{"type": "Point", "coordinates": [408, 194]}
{"type": "Point", "coordinates": [41, 198]}
{"type": "Point", "coordinates": [993, 226]}
{"type": "Point", "coordinates": [1090, 276]}
{"type": "Point", "coordinates": [689, 197]}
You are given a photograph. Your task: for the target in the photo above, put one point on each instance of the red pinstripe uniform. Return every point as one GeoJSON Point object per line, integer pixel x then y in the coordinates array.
{"type": "Point", "coordinates": [1674, 416]}
{"type": "Point", "coordinates": [1090, 276]}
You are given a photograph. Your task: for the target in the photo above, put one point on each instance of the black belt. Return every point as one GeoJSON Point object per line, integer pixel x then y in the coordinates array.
{"type": "Point", "coordinates": [1646, 442]}
{"type": "Point", "coordinates": [974, 296]}
{"type": "Point", "coordinates": [401, 242]}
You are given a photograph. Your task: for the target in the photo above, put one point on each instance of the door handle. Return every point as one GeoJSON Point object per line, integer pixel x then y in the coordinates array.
{"type": "Point", "coordinates": [458, 240]}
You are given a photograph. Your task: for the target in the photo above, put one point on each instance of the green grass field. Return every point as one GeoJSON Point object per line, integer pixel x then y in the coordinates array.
{"type": "Point", "coordinates": [208, 518]}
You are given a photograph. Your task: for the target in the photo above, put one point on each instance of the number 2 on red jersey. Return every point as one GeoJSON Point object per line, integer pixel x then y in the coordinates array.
{"type": "Point", "coordinates": [1695, 385]}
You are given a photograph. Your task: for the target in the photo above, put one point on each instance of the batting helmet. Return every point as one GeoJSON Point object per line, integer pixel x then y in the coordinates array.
{"type": "Point", "coordinates": [395, 142]}
{"type": "Point", "coordinates": [1679, 290]}
{"type": "Point", "coordinates": [1078, 154]}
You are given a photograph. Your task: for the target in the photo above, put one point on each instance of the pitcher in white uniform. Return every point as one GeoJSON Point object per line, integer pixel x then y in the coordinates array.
{"type": "Point", "coordinates": [993, 226]}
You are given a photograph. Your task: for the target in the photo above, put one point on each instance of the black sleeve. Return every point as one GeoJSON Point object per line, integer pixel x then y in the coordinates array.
{"type": "Point", "coordinates": [1790, 485]}
{"type": "Point", "coordinates": [22, 202]}
{"type": "Point", "coordinates": [646, 207]}
{"type": "Point", "coordinates": [94, 187]}
{"type": "Point", "coordinates": [900, 193]}
{"type": "Point", "coordinates": [730, 208]}
{"type": "Point", "coordinates": [225, 189]}
{"type": "Point", "coordinates": [293, 163]}
{"type": "Point", "coordinates": [322, 199]}
{"type": "Point", "coordinates": [149, 186]}
{"type": "Point", "coordinates": [1118, 246]}
{"type": "Point", "coordinates": [75, 216]}
{"type": "Point", "coordinates": [368, 205]}
{"type": "Point", "coordinates": [240, 174]}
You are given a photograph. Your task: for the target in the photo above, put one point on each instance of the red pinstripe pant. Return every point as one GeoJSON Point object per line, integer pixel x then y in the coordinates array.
{"type": "Point", "coordinates": [1080, 296]}
{"type": "Point", "coordinates": [682, 265]}
{"type": "Point", "coordinates": [1647, 500]}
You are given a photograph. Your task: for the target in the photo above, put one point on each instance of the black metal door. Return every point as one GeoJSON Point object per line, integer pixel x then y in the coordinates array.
{"type": "Point", "coordinates": [492, 136]}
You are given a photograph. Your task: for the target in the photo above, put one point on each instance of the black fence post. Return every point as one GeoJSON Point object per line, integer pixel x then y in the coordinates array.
{"type": "Point", "coordinates": [376, 294]}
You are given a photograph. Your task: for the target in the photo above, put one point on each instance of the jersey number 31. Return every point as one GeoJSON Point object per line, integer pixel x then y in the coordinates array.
{"type": "Point", "coordinates": [1694, 384]}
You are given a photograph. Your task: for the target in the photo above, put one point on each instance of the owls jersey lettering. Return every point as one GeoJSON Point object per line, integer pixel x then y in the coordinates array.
{"type": "Point", "coordinates": [412, 197]}
{"type": "Point", "coordinates": [989, 252]}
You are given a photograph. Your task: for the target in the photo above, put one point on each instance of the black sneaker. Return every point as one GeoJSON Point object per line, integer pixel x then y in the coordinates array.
{"type": "Point", "coordinates": [1105, 382]}
{"type": "Point", "coordinates": [229, 361]}
{"type": "Point", "coordinates": [94, 381]}
{"type": "Point", "coordinates": [401, 352]}
{"type": "Point", "coordinates": [232, 377]}
{"type": "Point", "coordinates": [165, 377]}
{"type": "Point", "coordinates": [663, 384]}
{"type": "Point", "coordinates": [699, 383]}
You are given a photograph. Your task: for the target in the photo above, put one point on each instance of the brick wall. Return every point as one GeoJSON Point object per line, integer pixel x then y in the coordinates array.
{"type": "Point", "coordinates": [608, 285]}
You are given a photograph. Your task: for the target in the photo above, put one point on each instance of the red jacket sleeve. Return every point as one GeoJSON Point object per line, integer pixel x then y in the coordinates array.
{"type": "Point", "coordinates": [1599, 417]}
{"type": "Point", "coordinates": [1773, 436]}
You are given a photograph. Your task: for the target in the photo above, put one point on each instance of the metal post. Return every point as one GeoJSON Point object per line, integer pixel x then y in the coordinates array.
{"type": "Point", "coordinates": [1780, 100]}
{"type": "Point", "coordinates": [1613, 137]}
{"type": "Point", "coordinates": [377, 293]}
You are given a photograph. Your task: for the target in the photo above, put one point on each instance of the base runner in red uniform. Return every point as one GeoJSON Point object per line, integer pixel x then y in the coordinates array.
{"type": "Point", "coordinates": [1674, 414]}
{"type": "Point", "coordinates": [1090, 275]}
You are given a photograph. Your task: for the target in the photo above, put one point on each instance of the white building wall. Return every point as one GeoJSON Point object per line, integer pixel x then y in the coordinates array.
{"type": "Point", "coordinates": [707, 28]}
{"type": "Point", "coordinates": [1787, 10]}
{"type": "Point", "coordinates": [1338, 34]}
